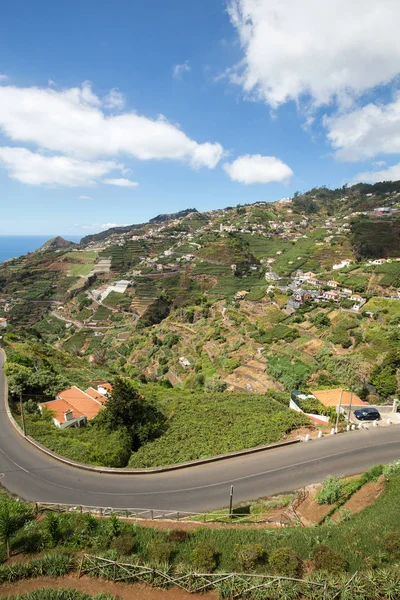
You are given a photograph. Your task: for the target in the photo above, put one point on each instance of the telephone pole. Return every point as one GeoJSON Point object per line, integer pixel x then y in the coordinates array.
{"type": "Point", "coordinates": [22, 413]}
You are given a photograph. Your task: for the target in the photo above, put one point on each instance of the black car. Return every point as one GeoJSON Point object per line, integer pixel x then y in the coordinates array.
{"type": "Point", "coordinates": [367, 414]}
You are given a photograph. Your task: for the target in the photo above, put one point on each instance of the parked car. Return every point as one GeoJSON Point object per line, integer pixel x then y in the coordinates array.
{"type": "Point", "coordinates": [367, 414]}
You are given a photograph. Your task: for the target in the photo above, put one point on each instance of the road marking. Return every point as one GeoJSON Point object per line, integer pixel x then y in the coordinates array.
{"type": "Point", "coordinates": [13, 461]}
{"type": "Point", "coordinates": [211, 485]}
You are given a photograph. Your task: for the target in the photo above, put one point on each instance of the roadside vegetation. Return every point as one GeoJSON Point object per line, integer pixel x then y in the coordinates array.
{"type": "Point", "coordinates": [367, 542]}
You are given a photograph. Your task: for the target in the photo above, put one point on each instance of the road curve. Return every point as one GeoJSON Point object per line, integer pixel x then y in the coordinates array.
{"type": "Point", "coordinates": [28, 472]}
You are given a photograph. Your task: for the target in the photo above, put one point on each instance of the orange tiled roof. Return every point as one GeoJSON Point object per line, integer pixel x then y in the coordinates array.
{"type": "Point", "coordinates": [81, 401]}
{"type": "Point", "coordinates": [59, 407]}
{"type": "Point", "coordinates": [96, 395]}
{"type": "Point", "coordinates": [332, 397]}
{"type": "Point", "coordinates": [106, 386]}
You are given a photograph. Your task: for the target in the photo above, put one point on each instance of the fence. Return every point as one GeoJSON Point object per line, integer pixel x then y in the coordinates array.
{"type": "Point", "coordinates": [288, 518]}
{"type": "Point", "coordinates": [228, 585]}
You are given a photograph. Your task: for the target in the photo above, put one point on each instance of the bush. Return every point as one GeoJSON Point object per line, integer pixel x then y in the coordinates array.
{"type": "Point", "coordinates": [160, 551]}
{"type": "Point", "coordinates": [325, 559]}
{"type": "Point", "coordinates": [392, 468]}
{"type": "Point", "coordinates": [373, 473]}
{"type": "Point", "coordinates": [204, 557]}
{"type": "Point", "coordinates": [285, 562]}
{"type": "Point", "coordinates": [331, 491]}
{"type": "Point", "coordinates": [249, 556]}
{"type": "Point", "coordinates": [124, 544]}
{"type": "Point", "coordinates": [178, 535]}
{"type": "Point", "coordinates": [391, 542]}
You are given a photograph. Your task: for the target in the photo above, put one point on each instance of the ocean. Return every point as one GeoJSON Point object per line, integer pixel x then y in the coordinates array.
{"type": "Point", "coordinates": [16, 245]}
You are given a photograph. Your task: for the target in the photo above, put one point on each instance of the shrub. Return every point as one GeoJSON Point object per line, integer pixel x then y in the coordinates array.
{"type": "Point", "coordinates": [391, 542]}
{"type": "Point", "coordinates": [52, 524]}
{"type": "Point", "coordinates": [204, 557]}
{"type": "Point", "coordinates": [373, 473]}
{"type": "Point", "coordinates": [160, 551]}
{"type": "Point", "coordinates": [331, 491]}
{"type": "Point", "coordinates": [249, 556]}
{"type": "Point", "coordinates": [285, 562]}
{"type": "Point", "coordinates": [326, 559]}
{"type": "Point", "coordinates": [114, 526]}
{"type": "Point", "coordinates": [178, 535]}
{"type": "Point", "coordinates": [392, 468]}
{"type": "Point", "coordinates": [124, 544]}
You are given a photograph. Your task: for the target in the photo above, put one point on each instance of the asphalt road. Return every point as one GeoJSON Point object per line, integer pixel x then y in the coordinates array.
{"type": "Point", "coordinates": [33, 475]}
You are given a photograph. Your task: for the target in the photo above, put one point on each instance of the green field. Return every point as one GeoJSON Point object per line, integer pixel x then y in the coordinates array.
{"type": "Point", "coordinates": [207, 424]}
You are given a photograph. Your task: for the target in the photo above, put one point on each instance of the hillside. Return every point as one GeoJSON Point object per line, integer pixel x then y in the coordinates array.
{"type": "Point", "coordinates": [300, 293]}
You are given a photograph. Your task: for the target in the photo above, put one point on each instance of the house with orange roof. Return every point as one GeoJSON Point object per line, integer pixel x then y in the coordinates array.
{"type": "Point", "coordinates": [74, 407]}
{"type": "Point", "coordinates": [333, 284]}
{"type": "Point", "coordinates": [64, 415]}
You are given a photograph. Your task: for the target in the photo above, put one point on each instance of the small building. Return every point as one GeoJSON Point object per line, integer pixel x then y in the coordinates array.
{"type": "Point", "coordinates": [379, 261]}
{"type": "Point", "coordinates": [3, 322]}
{"type": "Point", "coordinates": [241, 295]}
{"type": "Point", "coordinates": [383, 210]}
{"type": "Point", "coordinates": [356, 297]}
{"type": "Point", "coordinates": [346, 291]}
{"type": "Point", "coordinates": [333, 284]}
{"type": "Point", "coordinates": [184, 362]}
{"type": "Point", "coordinates": [313, 281]}
{"type": "Point", "coordinates": [331, 296]}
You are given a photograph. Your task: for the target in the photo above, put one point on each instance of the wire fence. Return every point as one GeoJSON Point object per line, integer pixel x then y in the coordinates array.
{"type": "Point", "coordinates": [285, 519]}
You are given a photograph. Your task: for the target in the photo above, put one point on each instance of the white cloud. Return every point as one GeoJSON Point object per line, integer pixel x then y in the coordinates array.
{"type": "Point", "coordinates": [85, 198]}
{"type": "Point", "coordinates": [365, 132]}
{"type": "Point", "coordinates": [102, 226]}
{"type": "Point", "coordinates": [72, 122]}
{"type": "Point", "coordinates": [37, 169]}
{"type": "Point", "coordinates": [121, 182]}
{"type": "Point", "coordinates": [3, 77]}
{"type": "Point", "coordinates": [255, 168]}
{"type": "Point", "coordinates": [320, 49]}
{"type": "Point", "coordinates": [179, 70]}
{"type": "Point", "coordinates": [114, 100]}
{"type": "Point", "coordinates": [390, 174]}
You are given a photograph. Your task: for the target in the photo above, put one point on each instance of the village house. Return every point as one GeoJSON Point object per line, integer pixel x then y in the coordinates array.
{"type": "Point", "coordinates": [379, 261]}
{"type": "Point", "coordinates": [3, 322]}
{"type": "Point", "coordinates": [331, 296]}
{"type": "Point", "coordinates": [346, 291]}
{"type": "Point", "coordinates": [74, 407]}
{"type": "Point", "coordinates": [333, 284]}
{"type": "Point", "coordinates": [356, 297]}
{"type": "Point", "coordinates": [313, 281]}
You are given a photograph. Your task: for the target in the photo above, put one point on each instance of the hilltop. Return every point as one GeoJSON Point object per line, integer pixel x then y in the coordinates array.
{"type": "Point", "coordinates": [56, 242]}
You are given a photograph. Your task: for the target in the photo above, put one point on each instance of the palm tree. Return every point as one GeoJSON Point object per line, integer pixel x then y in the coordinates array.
{"type": "Point", "coordinates": [13, 515]}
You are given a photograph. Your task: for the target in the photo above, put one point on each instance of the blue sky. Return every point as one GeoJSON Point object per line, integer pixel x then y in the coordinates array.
{"type": "Point", "coordinates": [258, 98]}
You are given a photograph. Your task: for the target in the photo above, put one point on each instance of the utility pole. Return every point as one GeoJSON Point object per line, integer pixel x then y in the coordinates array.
{"type": "Point", "coordinates": [338, 410]}
{"type": "Point", "coordinates": [22, 413]}
{"type": "Point", "coordinates": [231, 502]}
{"type": "Point", "coordinates": [351, 401]}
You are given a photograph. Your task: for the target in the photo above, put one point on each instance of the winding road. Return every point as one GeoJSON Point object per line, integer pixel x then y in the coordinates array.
{"type": "Point", "coordinates": [28, 472]}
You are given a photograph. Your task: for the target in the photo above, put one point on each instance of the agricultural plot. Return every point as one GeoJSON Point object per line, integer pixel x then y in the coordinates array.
{"type": "Point", "coordinates": [390, 274]}
{"type": "Point", "coordinates": [207, 424]}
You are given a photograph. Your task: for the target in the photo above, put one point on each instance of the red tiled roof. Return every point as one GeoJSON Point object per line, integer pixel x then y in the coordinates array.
{"type": "Point", "coordinates": [81, 401]}
{"type": "Point", "coordinates": [59, 407]}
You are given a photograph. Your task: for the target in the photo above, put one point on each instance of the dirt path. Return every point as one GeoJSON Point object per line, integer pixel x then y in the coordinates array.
{"type": "Point", "coordinates": [125, 591]}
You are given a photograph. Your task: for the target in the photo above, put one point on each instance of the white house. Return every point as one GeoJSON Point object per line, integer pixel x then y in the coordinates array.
{"type": "Point", "coordinates": [333, 284]}
{"type": "Point", "coordinates": [3, 322]}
